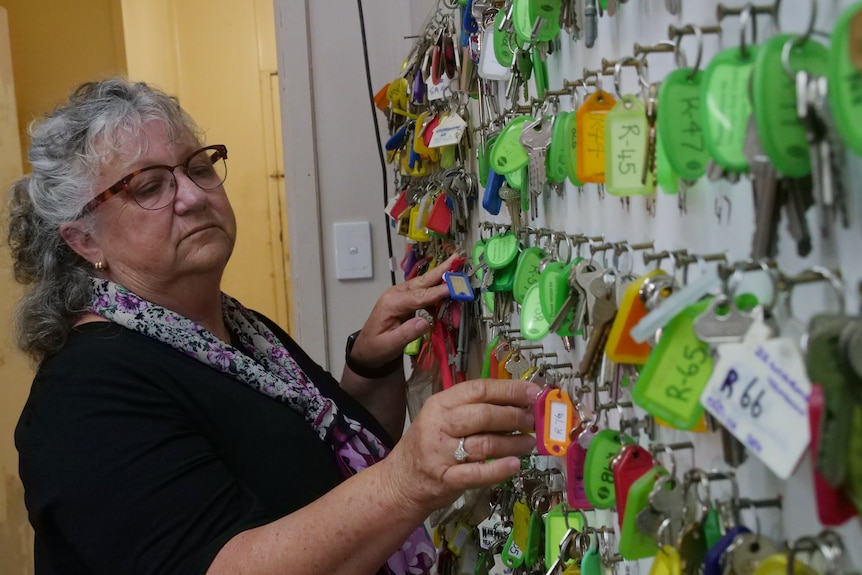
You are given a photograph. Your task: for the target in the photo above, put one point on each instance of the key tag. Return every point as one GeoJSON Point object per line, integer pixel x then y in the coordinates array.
{"type": "Point", "coordinates": [666, 178]}
{"type": "Point", "coordinates": [626, 134]}
{"type": "Point", "coordinates": [726, 105]}
{"type": "Point", "coordinates": [534, 325]}
{"type": "Point", "coordinates": [632, 462]}
{"type": "Point", "coordinates": [713, 564]}
{"type": "Point", "coordinates": [599, 480]}
{"type": "Point", "coordinates": [778, 564]}
{"type": "Point", "coordinates": [459, 286]}
{"type": "Point", "coordinates": [590, 143]}
{"type": "Point", "coordinates": [576, 456]}
{"type": "Point", "coordinates": [667, 562]}
{"type": "Point", "coordinates": [439, 216]}
{"type": "Point", "coordinates": [556, 158]}
{"type": "Point", "coordinates": [854, 461]}
{"type": "Point", "coordinates": [759, 391]}
{"type": "Point", "coordinates": [549, 11]}
{"type": "Point", "coordinates": [571, 146]}
{"type": "Point", "coordinates": [502, 372]}
{"type": "Point", "coordinates": [502, 42]}
{"type": "Point", "coordinates": [633, 543]}
{"type": "Point", "coordinates": [559, 422]}
{"type": "Point", "coordinates": [512, 555]}
{"type": "Point", "coordinates": [539, 417]}
{"type": "Point", "coordinates": [487, 357]}
{"type": "Point", "coordinates": [781, 131]}
{"type": "Point", "coordinates": [508, 155]}
{"type": "Point", "coordinates": [621, 348]}
{"type": "Point", "coordinates": [501, 250]}
{"type": "Point", "coordinates": [591, 562]}
{"type": "Point", "coordinates": [845, 77]}
{"type": "Point", "coordinates": [681, 131]}
{"type": "Point", "coordinates": [527, 272]}
{"type": "Point", "coordinates": [535, 534]}
{"type": "Point", "coordinates": [558, 522]}
{"type": "Point", "coordinates": [676, 372]}
{"type": "Point", "coordinates": [834, 507]}
{"type": "Point", "coordinates": [553, 287]}
{"type": "Point", "coordinates": [504, 278]}
{"type": "Point", "coordinates": [490, 67]}
{"type": "Point", "coordinates": [417, 232]}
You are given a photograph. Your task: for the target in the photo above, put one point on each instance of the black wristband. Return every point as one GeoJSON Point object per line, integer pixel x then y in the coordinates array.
{"type": "Point", "coordinates": [369, 372]}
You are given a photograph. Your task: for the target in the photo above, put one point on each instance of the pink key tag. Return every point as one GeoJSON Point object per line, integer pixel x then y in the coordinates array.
{"type": "Point", "coordinates": [576, 496]}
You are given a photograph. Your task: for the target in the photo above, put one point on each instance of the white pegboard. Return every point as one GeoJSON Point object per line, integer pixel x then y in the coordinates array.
{"type": "Point", "coordinates": [700, 231]}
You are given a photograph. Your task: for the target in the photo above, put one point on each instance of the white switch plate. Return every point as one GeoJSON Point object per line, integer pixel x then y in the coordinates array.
{"type": "Point", "coordinates": [352, 250]}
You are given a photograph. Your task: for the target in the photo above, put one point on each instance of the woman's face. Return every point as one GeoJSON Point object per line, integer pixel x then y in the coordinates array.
{"type": "Point", "coordinates": [153, 252]}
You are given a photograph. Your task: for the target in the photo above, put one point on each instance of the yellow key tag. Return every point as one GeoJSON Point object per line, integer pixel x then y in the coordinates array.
{"type": "Point", "coordinates": [521, 523]}
{"type": "Point", "coordinates": [777, 565]}
{"type": "Point", "coordinates": [559, 421]}
{"type": "Point", "coordinates": [573, 569]}
{"type": "Point", "coordinates": [591, 136]}
{"type": "Point", "coordinates": [417, 231]}
{"type": "Point", "coordinates": [667, 562]}
{"type": "Point", "coordinates": [459, 538]}
{"type": "Point", "coordinates": [621, 348]}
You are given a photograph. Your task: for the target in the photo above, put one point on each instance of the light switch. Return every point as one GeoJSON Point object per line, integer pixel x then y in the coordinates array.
{"type": "Point", "coordinates": [352, 250]}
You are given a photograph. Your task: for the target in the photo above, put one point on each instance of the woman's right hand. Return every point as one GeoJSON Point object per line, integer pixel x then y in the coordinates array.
{"type": "Point", "coordinates": [486, 412]}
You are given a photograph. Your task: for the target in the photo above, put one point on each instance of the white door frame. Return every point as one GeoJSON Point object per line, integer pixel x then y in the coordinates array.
{"type": "Point", "coordinates": [296, 83]}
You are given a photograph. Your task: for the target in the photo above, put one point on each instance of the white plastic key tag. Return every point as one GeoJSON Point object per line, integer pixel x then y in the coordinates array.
{"type": "Point", "coordinates": [489, 67]}
{"type": "Point", "coordinates": [759, 392]}
{"type": "Point", "coordinates": [674, 305]}
{"type": "Point", "coordinates": [448, 132]}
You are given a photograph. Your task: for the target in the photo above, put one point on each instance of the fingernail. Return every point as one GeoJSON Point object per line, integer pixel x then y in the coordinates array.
{"type": "Point", "coordinates": [533, 392]}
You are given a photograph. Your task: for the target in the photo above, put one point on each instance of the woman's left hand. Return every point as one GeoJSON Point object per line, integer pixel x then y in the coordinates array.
{"type": "Point", "coordinates": [392, 325]}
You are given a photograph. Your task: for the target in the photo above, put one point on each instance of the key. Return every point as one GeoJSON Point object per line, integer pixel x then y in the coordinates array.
{"type": "Point", "coordinates": [591, 23]}
{"type": "Point", "coordinates": [766, 196]}
{"type": "Point", "coordinates": [798, 197]}
{"type": "Point", "coordinates": [746, 553]}
{"type": "Point", "coordinates": [536, 138]}
{"type": "Point", "coordinates": [732, 450]}
{"type": "Point", "coordinates": [557, 566]}
{"type": "Point", "coordinates": [512, 198]}
{"type": "Point", "coordinates": [650, 154]}
{"type": "Point", "coordinates": [517, 365]}
{"type": "Point", "coordinates": [667, 499]}
{"type": "Point", "coordinates": [831, 159]}
{"type": "Point", "coordinates": [601, 319]}
{"type": "Point", "coordinates": [818, 147]}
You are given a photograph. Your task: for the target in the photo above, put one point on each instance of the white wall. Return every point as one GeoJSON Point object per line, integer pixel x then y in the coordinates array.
{"type": "Point", "coordinates": [326, 112]}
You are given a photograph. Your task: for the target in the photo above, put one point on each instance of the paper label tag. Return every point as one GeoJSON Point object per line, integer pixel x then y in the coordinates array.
{"type": "Point", "coordinates": [759, 391]}
{"type": "Point", "coordinates": [438, 91]}
{"type": "Point", "coordinates": [456, 543]}
{"type": "Point", "coordinates": [448, 132]}
{"type": "Point", "coordinates": [491, 530]}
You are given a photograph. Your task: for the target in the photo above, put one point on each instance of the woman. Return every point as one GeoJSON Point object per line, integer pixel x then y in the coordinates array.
{"type": "Point", "coordinates": [169, 429]}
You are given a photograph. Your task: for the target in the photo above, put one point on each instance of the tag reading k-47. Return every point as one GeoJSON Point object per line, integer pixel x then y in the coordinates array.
{"type": "Point", "coordinates": [626, 135]}
{"type": "Point", "coordinates": [680, 123]}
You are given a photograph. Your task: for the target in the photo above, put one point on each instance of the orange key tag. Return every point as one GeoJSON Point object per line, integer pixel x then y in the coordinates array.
{"type": "Point", "coordinates": [559, 421]}
{"type": "Point", "coordinates": [621, 348]}
{"type": "Point", "coordinates": [590, 145]}
{"type": "Point", "coordinates": [502, 372]}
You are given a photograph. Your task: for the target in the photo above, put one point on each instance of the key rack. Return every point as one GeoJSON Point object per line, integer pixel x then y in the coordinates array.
{"type": "Point", "coordinates": [603, 73]}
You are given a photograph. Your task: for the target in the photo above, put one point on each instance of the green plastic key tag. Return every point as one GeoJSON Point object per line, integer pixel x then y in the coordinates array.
{"type": "Point", "coordinates": [549, 10]}
{"type": "Point", "coordinates": [726, 106]}
{"type": "Point", "coordinates": [667, 179]}
{"type": "Point", "coordinates": [486, 357]}
{"type": "Point", "coordinates": [626, 136]}
{"type": "Point", "coordinates": [845, 77]}
{"type": "Point", "coordinates": [527, 272]}
{"type": "Point", "coordinates": [535, 535]}
{"type": "Point", "coordinates": [501, 250]}
{"type": "Point", "coordinates": [557, 524]}
{"type": "Point", "coordinates": [591, 562]}
{"type": "Point", "coordinates": [633, 543]}
{"type": "Point", "coordinates": [781, 131]}
{"type": "Point", "coordinates": [598, 477]}
{"type": "Point", "coordinates": [504, 278]}
{"type": "Point", "coordinates": [553, 288]}
{"type": "Point", "coordinates": [556, 158]}
{"type": "Point", "coordinates": [502, 43]}
{"type": "Point", "coordinates": [512, 555]}
{"type": "Point", "coordinates": [680, 123]}
{"type": "Point", "coordinates": [671, 382]}
{"type": "Point", "coordinates": [534, 325]}
{"type": "Point", "coordinates": [508, 155]}
{"type": "Point", "coordinates": [516, 181]}
{"type": "Point", "coordinates": [571, 145]}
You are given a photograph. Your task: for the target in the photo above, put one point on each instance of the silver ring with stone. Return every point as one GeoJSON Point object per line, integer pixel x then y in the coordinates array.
{"type": "Point", "coordinates": [461, 454]}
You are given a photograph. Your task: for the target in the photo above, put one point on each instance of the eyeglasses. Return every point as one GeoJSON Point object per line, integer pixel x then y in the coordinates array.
{"type": "Point", "coordinates": [155, 187]}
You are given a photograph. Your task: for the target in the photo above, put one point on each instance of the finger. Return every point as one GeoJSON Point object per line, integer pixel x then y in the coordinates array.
{"type": "Point", "coordinates": [494, 391]}
{"type": "Point", "coordinates": [471, 475]}
{"type": "Point", "coordinates": [484, 417]}
{"type": "Point", "coordinates": [484, 446]}
{"type": "Point", "coordinates": [403, 303]}
{"type": "Point", "coordinates": [435, 275]}
{"type": "Point", "coordinates": [404, 333]}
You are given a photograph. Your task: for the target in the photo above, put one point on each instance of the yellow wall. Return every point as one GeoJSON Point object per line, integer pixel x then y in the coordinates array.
{"type": "Point", "coordinates": [56, 45]}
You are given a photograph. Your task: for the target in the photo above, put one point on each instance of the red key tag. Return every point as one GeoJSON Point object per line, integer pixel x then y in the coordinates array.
{"type": "Point", "coordinates": [398, 206]}
{"type": "Point", "coordinates": [576, 455]}
{"type": "Point", "coordinates": [834, 507]}
{"type": "Point", "coordinates": [630, 465]}
{"type": "Point", "coordinates": [439, 217]}
{"type": "Point", "coordinates": [539, 413]}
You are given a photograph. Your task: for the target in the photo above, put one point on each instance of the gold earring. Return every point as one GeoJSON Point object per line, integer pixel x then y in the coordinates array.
{"type": "Point", "coordinates": [100, 266]}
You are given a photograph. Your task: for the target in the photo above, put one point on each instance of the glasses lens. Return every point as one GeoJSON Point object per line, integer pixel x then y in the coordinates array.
{"type": "Point", "coordinates": [153, 189]}
{"type": "Point", "coordinates": [207, 169]}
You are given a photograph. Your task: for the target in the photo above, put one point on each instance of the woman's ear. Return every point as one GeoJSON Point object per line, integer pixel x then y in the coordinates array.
{"type": "Point", "coordinates": [81, 241]}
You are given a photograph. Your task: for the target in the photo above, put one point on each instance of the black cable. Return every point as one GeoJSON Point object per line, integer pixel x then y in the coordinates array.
{"type": "Point", "coordinates": [377, 137]}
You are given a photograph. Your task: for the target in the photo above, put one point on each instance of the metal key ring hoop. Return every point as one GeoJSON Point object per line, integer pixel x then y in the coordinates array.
{"type": "Point", "coordinates": [812, 22]}
{"type": "Point", "coordinates": [618, 72]}
{"type": "Point", "coordinates": [746, 16]}
{"type": "Point", "coordinates": [681, 60]}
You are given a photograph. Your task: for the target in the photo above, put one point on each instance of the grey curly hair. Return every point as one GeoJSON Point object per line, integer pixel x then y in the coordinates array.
{"type": "Point", "coordinates": [67, 150]}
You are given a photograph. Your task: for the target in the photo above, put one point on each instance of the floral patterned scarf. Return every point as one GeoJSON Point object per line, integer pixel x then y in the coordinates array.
{"type": "Point", "coordinates": [266, 366]}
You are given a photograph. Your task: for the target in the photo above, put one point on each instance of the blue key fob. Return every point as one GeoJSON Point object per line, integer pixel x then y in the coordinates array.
{"type": "Point", "coordinates": [491, 201]}
{"type": "Point", "coordinates": [459, 286]}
